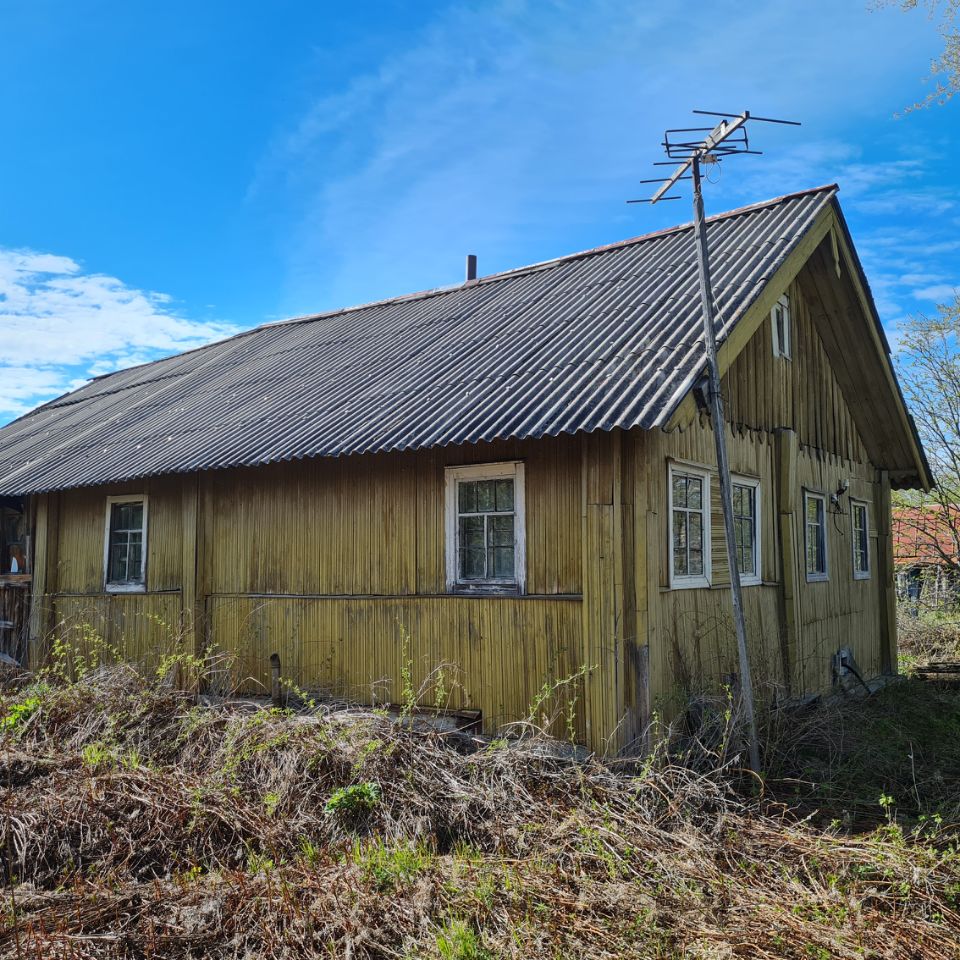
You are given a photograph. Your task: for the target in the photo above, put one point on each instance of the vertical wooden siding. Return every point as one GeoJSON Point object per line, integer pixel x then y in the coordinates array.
{"type": "Point", "coordinates": [841, 611]}
{"type": "Point", "coordinates": [141, 628]}
{"type": "Point", "coordinates": [495, 654]}
{"type": "Point", "coordinates": [690, 631]}
{"type": "Point", "coordinates": [338, 565]}
{"type": "Point", "coordinates": [766, 392]}
{"type": "Point", "coordinates": [616, 709]}
{"type": "Point", "coordinates": [79, 546]}
{"type": "Point", "coordinates": [362, 526]}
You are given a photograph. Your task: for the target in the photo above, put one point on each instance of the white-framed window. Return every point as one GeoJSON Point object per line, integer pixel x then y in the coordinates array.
{"type": "Point", "coordinates": [485, 532]}
{"type": "Point", "coordinates": [815, 534]}
{"type": "Point", "coordinates": [780, 326]}
{"type": "Point", "coordinates": [689, 512]}
{"type": "Point", "coordinates": [125, 544]}
{"type": "Point", "coordinates": [860, 529]}
{"type": "Point", "coordinates": [746, 527]}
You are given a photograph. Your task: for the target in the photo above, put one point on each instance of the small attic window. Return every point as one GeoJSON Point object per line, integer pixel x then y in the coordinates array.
{"type": "Point", "coordinates": [780, 324]}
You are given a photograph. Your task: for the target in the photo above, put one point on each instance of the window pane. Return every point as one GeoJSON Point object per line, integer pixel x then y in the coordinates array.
{"type": "Point", "coordinates": [500, 531]}
{"type": "Point", "coordinates": [744, 527]}
{"type": "Point", "coordinates": [125, 556]}
{"type": "Point", "coordinates": [127, 516]}
{"type": "Point", "coordinates": [503, 562]}
{"type": "Point", "coordinates": [861, 554]}
{"type": "Point", "coordinates": [471, 532]}
{"type": "Point", "coordinates": [696, 531]}
{"type": "Point", "coordinates": [134, 554]}
{"type": "Point", "coordinates": [745, 552]}
{"type": "Point", "coordinates": [813, 549]}
{"type": "Point", "coordinates": [679, 542]}
{"type": "Point", "coordinates": [467, 497]}
{"type": "Point", "coordinates": [485, 495]}
{"type": "Point", "coordinates": [473, 553]}
{"type": "Point", "coordinates": [473, 564]}
{"type": "Point", "coordinates": [694, 493]}
{"type": "Point", "coordinates": [816, 544]}
{"type": "Point", "coordinates": [486, 528]}
{"type": "Point", "coordinates": [118, 563]}
{"type": "Point", "coordinates": [504, 495]}
{"type": "Point", "coordinates": [679, 490]}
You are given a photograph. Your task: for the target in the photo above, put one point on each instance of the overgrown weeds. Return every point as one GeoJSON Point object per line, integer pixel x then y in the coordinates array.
{"type": "Point", "coordinates": [903, 743]}
{"type": "Point", "coordinates": [137, 822]}
{"type": "Point", "coordinates": [928, 636]}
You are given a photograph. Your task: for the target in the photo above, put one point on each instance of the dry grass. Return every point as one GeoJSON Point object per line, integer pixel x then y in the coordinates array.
{"type": "Point", "coordinates": [139, 824]}
{"type": "Point", "coordinates": [929, 637]}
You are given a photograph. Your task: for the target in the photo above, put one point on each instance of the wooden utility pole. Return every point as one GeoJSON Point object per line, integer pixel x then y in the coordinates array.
{"type": "Point", "coordinates": [715, 399]}
{"type": "Point", "coordinates": [719, 142]}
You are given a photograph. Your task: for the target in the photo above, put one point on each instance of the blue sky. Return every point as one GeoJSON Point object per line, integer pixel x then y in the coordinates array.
{"type": "Point", "coordinates": [175, 172]}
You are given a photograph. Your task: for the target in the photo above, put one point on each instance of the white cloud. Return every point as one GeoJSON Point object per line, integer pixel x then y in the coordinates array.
{"type": "Point", "coordinates": [511, 121]}
{"type": "Point", "coordinates": [62, 325]}
{"type": "Point", "coordinates": [939, 293]}
{"type": "Point", "coordinates": [907, 202]}
{"type": "Point", "coordinates": [917, 279]}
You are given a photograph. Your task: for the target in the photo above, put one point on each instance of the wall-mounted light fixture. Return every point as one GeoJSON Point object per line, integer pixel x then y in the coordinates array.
{"type": "Point", "coordinates": [841, 490]}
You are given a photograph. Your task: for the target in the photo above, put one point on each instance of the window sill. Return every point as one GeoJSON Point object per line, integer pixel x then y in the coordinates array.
{"type": "Point", "coordinates": [695, 583]}
{"type": "Point", "coordinates": [124, 588]}
{"type": "Point", "coordinates": [720, 586]}
{"type": "Point", "coordinates": [817, 577]}
{"type": "Point", "coordinates": [485, 590]}
{"type": "Point", "coordinates": [861, 576]}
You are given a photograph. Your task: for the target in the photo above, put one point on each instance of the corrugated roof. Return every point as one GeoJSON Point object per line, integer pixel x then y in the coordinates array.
{"type": "Point", "coordinates": [606, 338]}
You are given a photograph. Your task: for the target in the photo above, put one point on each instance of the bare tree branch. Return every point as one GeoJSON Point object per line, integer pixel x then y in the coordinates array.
{"type": "Point", "coordinates": [944, 69]}
{"type": "Point", "coordinates": [929, 369]}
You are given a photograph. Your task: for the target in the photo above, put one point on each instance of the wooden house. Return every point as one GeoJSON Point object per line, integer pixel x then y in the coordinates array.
{"type": "Point", "coordinates": [514, 477]}
{"type": "Point", "coordinates": [926, 555]}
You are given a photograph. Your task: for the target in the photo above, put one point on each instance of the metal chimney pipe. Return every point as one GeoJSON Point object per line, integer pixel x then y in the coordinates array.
{"type": "Point", "coordinates": [471, 267]}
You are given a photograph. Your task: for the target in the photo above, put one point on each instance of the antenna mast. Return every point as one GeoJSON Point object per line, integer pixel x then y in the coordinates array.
{"type": "Point", "coordinates": [727, 138]}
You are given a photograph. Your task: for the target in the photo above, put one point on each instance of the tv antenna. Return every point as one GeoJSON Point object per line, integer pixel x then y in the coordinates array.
{"type": "Point", "coordinates": [727, 139]}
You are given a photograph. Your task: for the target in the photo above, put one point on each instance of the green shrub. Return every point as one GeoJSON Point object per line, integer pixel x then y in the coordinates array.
{"type": "Point", "coordinates": [355, 802]}
{"type": "Point", "coordinates": [18, 714]}
{"type": "Point", "coordinates": [458, 941]}
{"type": "Point", "coordinates": [387, 867]}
